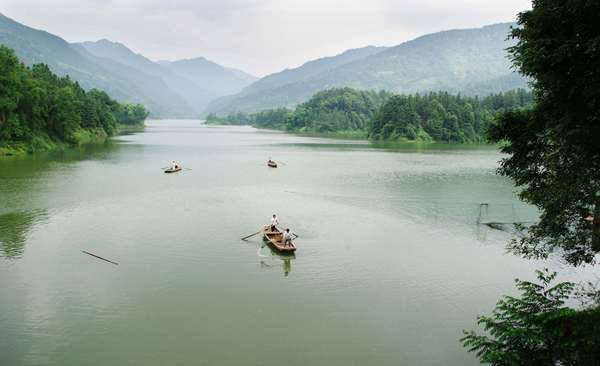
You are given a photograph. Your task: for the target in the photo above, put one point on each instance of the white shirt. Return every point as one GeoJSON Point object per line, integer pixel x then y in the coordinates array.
{"type": "Point", "coordinates": [287, 235]}
{"type": "Point", "coordinates": [274, 221]}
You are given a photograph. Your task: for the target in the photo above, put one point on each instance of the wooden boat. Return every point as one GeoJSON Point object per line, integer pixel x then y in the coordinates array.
{"type": "Point", "coordinates": [272, 164]}
{"type": "Point", "coordinates": [276, 238]}
{"type": "Point", "coordinates": [172, 170]}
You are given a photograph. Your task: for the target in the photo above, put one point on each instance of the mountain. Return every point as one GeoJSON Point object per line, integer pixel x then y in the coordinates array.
{"type": "Point", "coordinates": [196, 96]}
{"type": "Point", "coordinates": [470, 61]}
{"type": "Point", "coordinates": [311, 68]}
{"type": "Point", "coordinates": [259, 99]}
{"type": "Point", "coordinates": [249, 79]}
{"type": "Point", "coordinates": [154, 88]}
{"type": "Point", "coordinates": [210, 75]}
{"type": "Point", "coordinates": [35, 46]}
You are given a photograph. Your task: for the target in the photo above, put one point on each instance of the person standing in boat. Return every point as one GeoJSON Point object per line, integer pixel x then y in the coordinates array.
{"type": "Point", "coordinates": [287, 238]}
{"type": "Point", "coordinates": [174, 165]}
{"type": "Point", "coordinates": [274, 223]}
{"type": "Point", "coordinates": [270, 160]}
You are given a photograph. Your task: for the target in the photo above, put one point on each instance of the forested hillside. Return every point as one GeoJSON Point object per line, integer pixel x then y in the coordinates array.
{"type": "Point", "coordinates": [39, 109]}
{"type": "Point", "coordinates": [442, 116]}
{"type": "Point", "coordinates": [382, 116]}
{"type": "Point", "coordinates": [469, 61]}
{"type": "Point", "coordinates": [334, 110]}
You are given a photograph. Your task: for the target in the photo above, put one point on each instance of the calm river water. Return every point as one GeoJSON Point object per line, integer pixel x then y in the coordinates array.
{"type": "Point", "coordinates": [391, 263]}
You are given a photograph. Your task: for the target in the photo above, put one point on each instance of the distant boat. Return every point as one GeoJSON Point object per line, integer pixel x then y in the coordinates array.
{"type": "Point", "coordinates": [276, 238]}
{"type": "Point", "coordinates": [272, 164]}
{"type": "Point", "coordinates": [172, 170]}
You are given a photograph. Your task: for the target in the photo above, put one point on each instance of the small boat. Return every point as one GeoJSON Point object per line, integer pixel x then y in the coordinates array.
{"type": "Point", "coordinates": [276, 238]}
{"type": "Point", "coordinates": [272, 164]}
{"type": "Point", "coordinates": [172, 170]}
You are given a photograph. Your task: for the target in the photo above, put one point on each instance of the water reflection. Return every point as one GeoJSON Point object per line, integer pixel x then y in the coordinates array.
{"type": "Point", "coordinates": [14, 229]}
{"type": "Point", "coordinates": [276, 258]}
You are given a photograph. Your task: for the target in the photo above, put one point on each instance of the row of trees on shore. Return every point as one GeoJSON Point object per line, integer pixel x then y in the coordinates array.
{"type": "Point", "coordinates": [37, 107]}
{"type": "Point", "coordinates": [383, 116]}
{"type": "Point", "coordinates": [442, 116]}
{"type": "Point", "coordinates": [334, 110]}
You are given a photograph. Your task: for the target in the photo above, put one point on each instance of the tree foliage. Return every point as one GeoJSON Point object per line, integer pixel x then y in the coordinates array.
{"type": "Point", "coordinates": [537, 329]}
{"type": "Point", "coordinates": [36, 102]}
{"type": "Point", "coordinates": [554, 148]}
{"type": "Point", "coordinates": [442, 116]}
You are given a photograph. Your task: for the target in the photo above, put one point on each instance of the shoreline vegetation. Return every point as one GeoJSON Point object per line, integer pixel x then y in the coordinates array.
{"type": "Point", "coordinates": [40, 111]}
{"type": "Point", "coordinates": [433, 117]}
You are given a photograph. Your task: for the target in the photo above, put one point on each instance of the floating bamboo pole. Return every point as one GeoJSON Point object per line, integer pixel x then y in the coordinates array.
{"type": "Point", "coordinates": [97, 256]}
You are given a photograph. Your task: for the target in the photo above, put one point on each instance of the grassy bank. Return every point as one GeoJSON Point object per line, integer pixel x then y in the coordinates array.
{"type": "Point", "coordinates": [41, 142]}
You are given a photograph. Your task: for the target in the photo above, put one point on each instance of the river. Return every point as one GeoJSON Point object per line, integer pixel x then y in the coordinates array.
{"type": "Point", "coordinates": [394, 255]}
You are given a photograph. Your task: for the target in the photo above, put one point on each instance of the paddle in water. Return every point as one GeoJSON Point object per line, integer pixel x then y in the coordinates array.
{"type": "Point", "coordinates": [246, 237]}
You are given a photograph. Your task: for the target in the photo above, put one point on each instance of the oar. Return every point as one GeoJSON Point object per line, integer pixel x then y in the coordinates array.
{"type": "Point", "coordinates": [279, 162]}
{"type": "Point", "coordinates": [167, 167]}
{"type": "Point", "coordinates": [186, 168]}
{"type": "Point", "coordinates": [246, 237]}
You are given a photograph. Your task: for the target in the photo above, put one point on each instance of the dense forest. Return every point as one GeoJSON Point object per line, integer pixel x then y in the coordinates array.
{"type": "Point", "coordinates": [442, 116]}
{"type": "Point", "coordinates": [39, 109]}
{"type": "Point", "coordinates": [383, 116]}
{"type": "Point", "coordinates": [334, 110]}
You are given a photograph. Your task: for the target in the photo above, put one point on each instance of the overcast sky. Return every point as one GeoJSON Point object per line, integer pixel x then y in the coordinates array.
{"type": "Point", "coordinates": [257, 36]}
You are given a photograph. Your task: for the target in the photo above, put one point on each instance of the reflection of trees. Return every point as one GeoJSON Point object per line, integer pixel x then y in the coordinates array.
{"type": "Point", "coordinates": [14, 228]}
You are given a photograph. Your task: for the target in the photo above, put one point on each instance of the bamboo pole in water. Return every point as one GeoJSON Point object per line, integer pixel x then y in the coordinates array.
{"type": "Point", "coordinates": [97, 256]}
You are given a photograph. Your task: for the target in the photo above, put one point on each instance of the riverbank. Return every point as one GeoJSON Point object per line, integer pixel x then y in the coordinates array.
{"type": "Point", "coordinates": [422, 137]}
{"type": "Point", "coordinates": [41, 142]}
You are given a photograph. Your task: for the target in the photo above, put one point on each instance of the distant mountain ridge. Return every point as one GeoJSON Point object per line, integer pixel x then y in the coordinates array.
{"type": "Point", "coordinates": [311, 68]}
{"type": "Point", "coordinates": [196, 96]}
{"type": "Point", "coordinates": [470, 61]}
{"type": "Point", "coordinates": [197, 80]}
{"type": "Point", "coordinates": [212, 76]}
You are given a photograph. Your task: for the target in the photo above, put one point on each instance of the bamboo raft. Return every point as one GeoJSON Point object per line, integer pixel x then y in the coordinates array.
{"type": "Point", "coordinates": [171, 170]}
{"type": "Point", "coordinates": [276, 238]}
{"type": "Point", "coordinates": [272, 164]}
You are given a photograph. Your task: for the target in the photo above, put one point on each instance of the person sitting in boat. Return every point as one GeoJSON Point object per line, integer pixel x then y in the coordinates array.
{"type": "Point", "coordinates": [287, 238]}
{"type": "Point", "coordinates": [274, 223]}
{"type": "Point", "coordinates": [270, 160]}
{"type": "Point", "coordinates": [174, 165]}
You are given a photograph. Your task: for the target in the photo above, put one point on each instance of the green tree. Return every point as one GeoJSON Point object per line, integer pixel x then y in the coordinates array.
{"type": "Point", "coordinates": [12, 79]}
{"type": "Point", "coordinates": [554, 149]}
{"type": "Point", "coordinates": [537, 329]}
{"type": "Point", "coordinates": [64, 119]}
